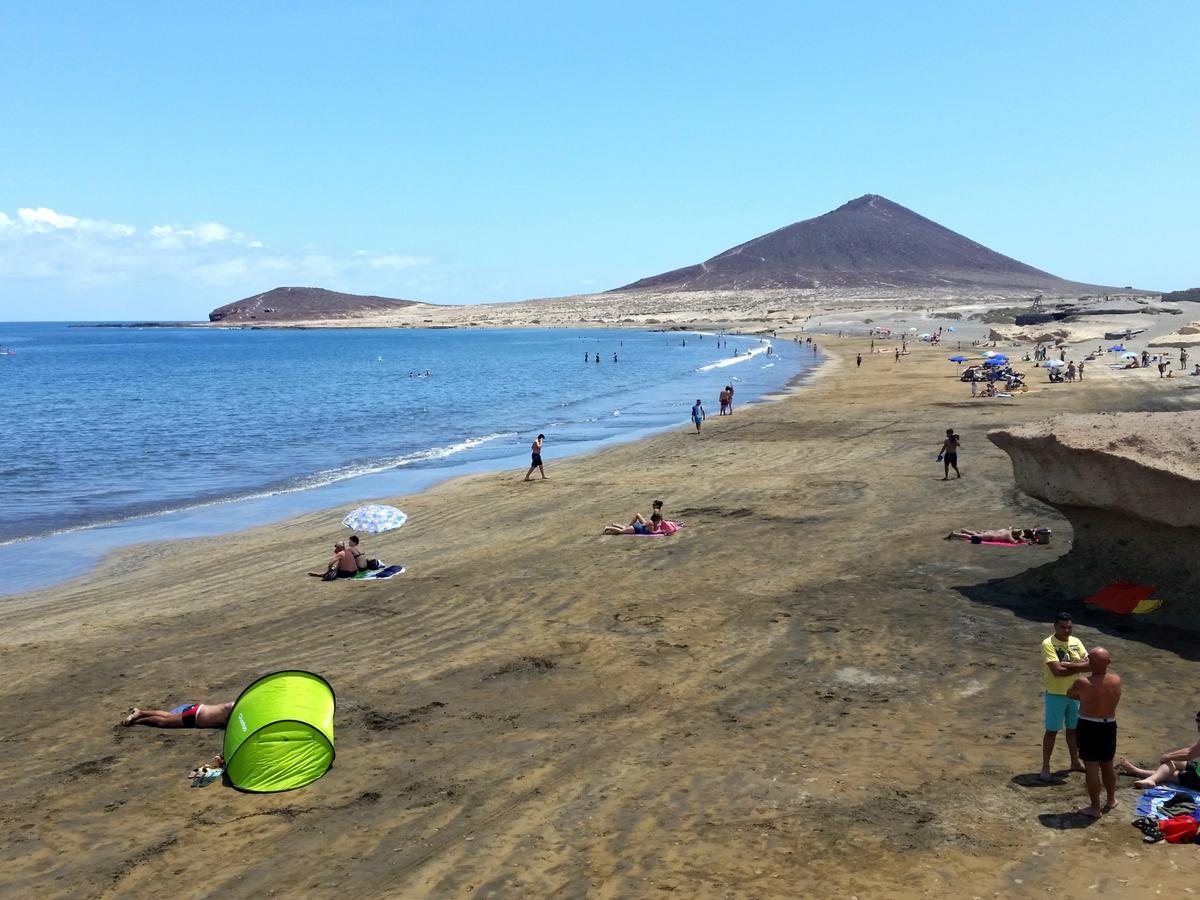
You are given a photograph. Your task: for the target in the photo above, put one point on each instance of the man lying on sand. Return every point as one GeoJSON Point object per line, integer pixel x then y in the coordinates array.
{"type": "Point", "coordinates": [639, 525]}
{"type": "Point", "coordinates": [193, 715]}
{"type": "Point", "coordinates": [1181, 766]}
{"type": "Point", "coordinates": [992, 536]}
{"type": "Point", "coordinates": [656, 525]}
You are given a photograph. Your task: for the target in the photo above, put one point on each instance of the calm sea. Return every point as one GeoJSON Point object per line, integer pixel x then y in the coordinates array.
{"type": "Point", "coordinates": [118, 435]}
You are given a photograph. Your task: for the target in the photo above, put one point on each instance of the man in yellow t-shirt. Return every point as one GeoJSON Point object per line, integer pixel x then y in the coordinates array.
{"type": "Point", "coordinates": [1063, 657]}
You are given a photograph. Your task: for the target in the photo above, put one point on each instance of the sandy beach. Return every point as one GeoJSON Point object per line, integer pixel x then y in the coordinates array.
{"type": "Point", "coordinates": [806, 692]}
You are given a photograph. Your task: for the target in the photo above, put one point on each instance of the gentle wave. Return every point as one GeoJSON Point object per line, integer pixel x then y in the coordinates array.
{"type": "Point", "coordinates": [734, 360]}
{"type": "Point", "coordinates": [304, 483]}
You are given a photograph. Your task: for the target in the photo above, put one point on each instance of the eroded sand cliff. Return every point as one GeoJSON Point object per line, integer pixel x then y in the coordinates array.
{"type": "Point", "coordinates": [1130, 485]}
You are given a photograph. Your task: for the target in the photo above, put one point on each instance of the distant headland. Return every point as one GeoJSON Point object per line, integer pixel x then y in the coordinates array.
{"type": "Point", "coordinates": [300, 304]}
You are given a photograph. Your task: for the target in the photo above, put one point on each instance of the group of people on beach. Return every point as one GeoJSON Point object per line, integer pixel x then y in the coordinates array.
{"type": "Point", "coordinates": [656, 524]}
{"type": "Point", "coordinates": [348, 560]}
{"type": "Point", "coordinates": [1080, 697]}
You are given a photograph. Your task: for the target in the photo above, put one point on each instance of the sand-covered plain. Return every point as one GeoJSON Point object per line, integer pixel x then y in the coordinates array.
{"type": "Point", "coordinates": [807, 692]}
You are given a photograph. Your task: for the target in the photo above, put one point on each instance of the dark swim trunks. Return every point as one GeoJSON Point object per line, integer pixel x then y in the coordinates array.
{"type": "Point", "coordinates": [952, 459]}
{"type": "Point", "coordinates": [1189, 777]}
{"type": "Point", "coordinates": [537, 459]}
{"type": "Point", "coordinates": [341, 574]}
{"type": "Point", "coordinates": [1097, 740]}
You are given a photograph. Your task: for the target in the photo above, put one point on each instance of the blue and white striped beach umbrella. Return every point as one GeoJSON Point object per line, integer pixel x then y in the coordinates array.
{"type": "Point", "coordinates": [375, 518]}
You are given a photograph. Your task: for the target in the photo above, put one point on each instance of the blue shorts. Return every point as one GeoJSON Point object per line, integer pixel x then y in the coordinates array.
{"type": "Point", "coordinates": [1061, 709]}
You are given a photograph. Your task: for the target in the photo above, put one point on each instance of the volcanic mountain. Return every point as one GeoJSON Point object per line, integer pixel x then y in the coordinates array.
{"type": "Point", "coordinates": [299, 304]}
{"type": "Point", "coordinates": [868, 243]}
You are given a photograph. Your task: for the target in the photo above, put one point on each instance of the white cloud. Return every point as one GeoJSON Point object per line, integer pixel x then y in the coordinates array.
{"type": "Point", "coordinates": [42, 243]}
{"type": "Point", "coordinates": [35, 218]}
{"type": "Point", "coordinates": [43, 219]}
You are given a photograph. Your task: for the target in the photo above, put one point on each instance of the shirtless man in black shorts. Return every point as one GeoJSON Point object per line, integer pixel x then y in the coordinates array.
{"type": "Point", "coordinates": [1098, 694]}
{"type": "Point", "coordinates": [949, 453]}
{"type": "Point", "coordinates": [536, 451]}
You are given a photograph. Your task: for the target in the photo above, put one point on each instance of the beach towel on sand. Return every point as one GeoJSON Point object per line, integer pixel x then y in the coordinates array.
{"type": "Point", "coordinates": [675, 527]}
{"type": "Point", "coordinates": [372, 575]}
{"type": "Point", "coordinates": [1153, 799]}
{"type": "Point", "coordinates": [1125, 597]}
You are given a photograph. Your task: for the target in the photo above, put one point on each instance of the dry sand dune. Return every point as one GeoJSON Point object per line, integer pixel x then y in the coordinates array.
{"type": "Point", "coordinates": [807, 692]}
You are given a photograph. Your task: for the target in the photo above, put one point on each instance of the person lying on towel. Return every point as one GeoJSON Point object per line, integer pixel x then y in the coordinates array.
{"type": "Point", "coordinates": [656, 525]}
{"type": "Point", "coordinates": [993, 536]}
{"type": "Point", "coordinates": [639, 525]}
{"type": "Point", "coordinates": [1180, 766]}
{"type": "Point", "coordinates": [189, 715]}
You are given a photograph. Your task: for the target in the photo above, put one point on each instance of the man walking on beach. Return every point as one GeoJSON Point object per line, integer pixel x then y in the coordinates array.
{"type": "Point", "coordinates": [1098, 695]}
{"type": "Point", "coordinates": [698, 415]}
{"type": "Point", "coordinates": [536, 449]}
{"type": "Point", "coordinates": [948, 455]}
{"type": "Point", "coordinates": [1063, 657]}
{"type": "Point", "coordinates": [858, 361]}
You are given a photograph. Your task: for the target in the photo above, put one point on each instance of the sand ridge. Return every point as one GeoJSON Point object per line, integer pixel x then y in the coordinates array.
{"type": "Point", "coordinates": [806, 691]}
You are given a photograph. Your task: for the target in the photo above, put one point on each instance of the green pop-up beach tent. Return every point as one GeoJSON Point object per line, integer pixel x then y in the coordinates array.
{"type": "Point", "coordinates": [280, 732]}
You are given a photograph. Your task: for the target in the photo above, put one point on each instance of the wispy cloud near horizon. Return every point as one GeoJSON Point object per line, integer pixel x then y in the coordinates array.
{"type": "Point", "coordinates": [47, 245]}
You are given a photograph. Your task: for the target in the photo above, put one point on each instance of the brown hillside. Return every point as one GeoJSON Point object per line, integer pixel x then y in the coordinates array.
{"type": "Point", "coordinates": [869, 243]}
{"type": "Point", "coordinates": [299, 304]}
{"type": "Point", "coordinates": [1191, 294]}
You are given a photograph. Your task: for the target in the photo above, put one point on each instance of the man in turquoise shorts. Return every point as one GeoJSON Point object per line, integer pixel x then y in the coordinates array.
{"type": "Point", "coordinates": [1063, 657]}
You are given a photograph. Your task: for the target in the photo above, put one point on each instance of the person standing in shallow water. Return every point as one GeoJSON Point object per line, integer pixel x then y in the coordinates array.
{"type": "Point", "coordinates": [536, 451]}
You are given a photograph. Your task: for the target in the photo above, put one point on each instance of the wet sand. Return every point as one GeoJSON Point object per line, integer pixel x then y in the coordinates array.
{"type": "Point", "coordinates": [807, 692]}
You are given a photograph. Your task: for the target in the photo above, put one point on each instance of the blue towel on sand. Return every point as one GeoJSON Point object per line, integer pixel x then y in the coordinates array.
{"type": "Point", "coordinates": [371, 575]}
{"type": "Point", "coordinates": [1153, 798]}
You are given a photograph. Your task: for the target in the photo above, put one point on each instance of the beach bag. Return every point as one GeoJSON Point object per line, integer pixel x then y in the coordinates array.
{"type": "Point", "coordinates": [1042, 535]}
{"type": "Point", "coordinates": [330, 575]}
{"type": "Point", "coordinates": [1179, 829]}
{"type": "Point", "coordinates": [373, 564]}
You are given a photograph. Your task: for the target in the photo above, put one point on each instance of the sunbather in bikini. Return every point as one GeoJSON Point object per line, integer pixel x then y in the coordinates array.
{"type": "Point", "coordinates": [191, 715]}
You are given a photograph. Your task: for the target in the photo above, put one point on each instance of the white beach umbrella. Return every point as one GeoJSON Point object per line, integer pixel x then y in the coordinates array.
{"type": "Point", "coordinates": [1053, 363]}
{"type": "Point", "coordinates": [375, 518]}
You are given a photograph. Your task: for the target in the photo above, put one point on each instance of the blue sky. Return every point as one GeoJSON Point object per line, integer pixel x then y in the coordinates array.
{"type": "Point", "coordinates": [160, 161]}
